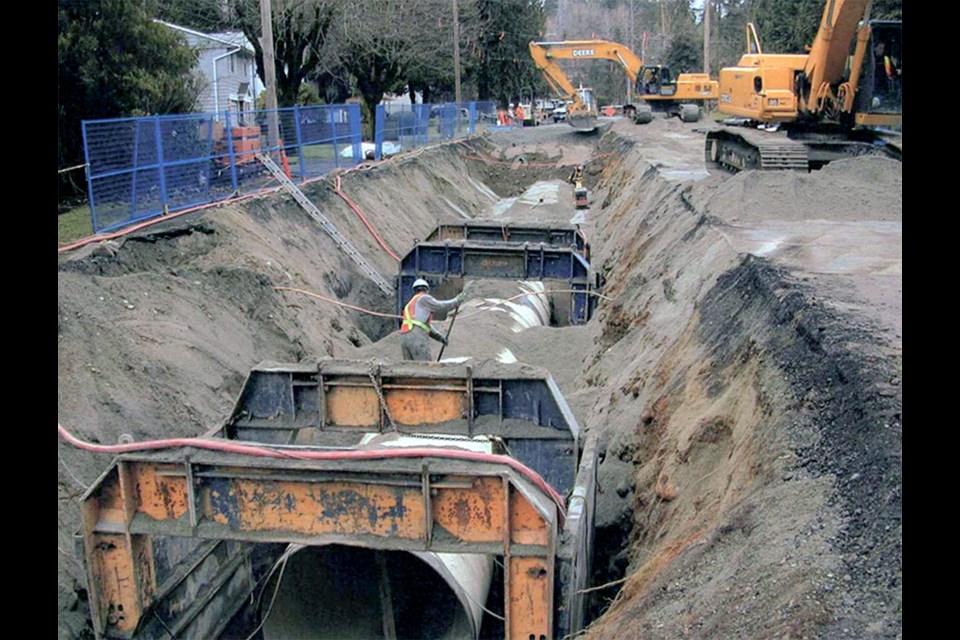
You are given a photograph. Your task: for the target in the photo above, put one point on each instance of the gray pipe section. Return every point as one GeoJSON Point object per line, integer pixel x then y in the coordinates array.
{"type": "Point", "coordinates": [530, 310]}
{"type": "Point", "coordinates": [468, 575]}
{"type": "Point", "coordinates": [332, 592]}
{"type": "Point", "coordinates": [340, 592]}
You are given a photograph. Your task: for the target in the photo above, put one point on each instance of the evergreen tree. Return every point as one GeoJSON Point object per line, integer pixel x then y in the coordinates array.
{"type": "Point", "coordinates": [685, 54]}
{"type": "Point", "coordinates": [504, 65]}
{"type": "Point", "coordinates": [113, 61]}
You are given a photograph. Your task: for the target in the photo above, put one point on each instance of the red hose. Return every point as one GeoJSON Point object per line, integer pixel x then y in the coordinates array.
{"type": "Point", "coordinates": [156, 220]}
{"type": "Point", "coordinates": [527, 164]}
{"type": "Point", "coordinates": [510, 162]}
{"type": "Point", "coordinates": [371, 454]}
{"type": "Point", "coordinates": [366, 223]}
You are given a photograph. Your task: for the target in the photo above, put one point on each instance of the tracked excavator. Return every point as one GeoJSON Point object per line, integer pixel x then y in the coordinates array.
{"type": "Point", "coordinates": [656, 88]}
{"type": "Point", "coordinates": [800, 111]}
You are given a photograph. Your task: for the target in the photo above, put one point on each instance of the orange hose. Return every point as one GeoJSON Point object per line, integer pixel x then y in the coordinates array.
{"type": "Point", "coordinates": [265, 451]}
{"type": "Point", "coordinates": [157, 220]}
{"type": "Point", "coordinates": [366, 222]}
{"type": "Point", "coordinates": [337, 302]}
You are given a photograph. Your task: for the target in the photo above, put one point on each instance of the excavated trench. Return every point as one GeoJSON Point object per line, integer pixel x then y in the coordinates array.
{"type": "Point", "coordinates": [750, 432]}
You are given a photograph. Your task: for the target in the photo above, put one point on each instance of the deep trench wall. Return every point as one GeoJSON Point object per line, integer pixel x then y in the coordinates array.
{"type": "Point", "coordinates": [735, 411]}
{"type": "Point", "coordinates": [157, 331]}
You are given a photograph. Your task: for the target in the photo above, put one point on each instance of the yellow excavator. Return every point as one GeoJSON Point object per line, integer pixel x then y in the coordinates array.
{"type": "Point", "coordinates": [656, 89]}
{"type": "Point", "coordinates": [800, 111]}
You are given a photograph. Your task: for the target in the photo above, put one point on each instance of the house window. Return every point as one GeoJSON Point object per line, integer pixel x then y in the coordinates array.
{"type": "Point", "coordinates": [232, 70]}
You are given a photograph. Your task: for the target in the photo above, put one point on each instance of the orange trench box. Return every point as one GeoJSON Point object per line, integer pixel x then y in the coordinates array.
{"type": "Point", "coordinates": [175, 540]}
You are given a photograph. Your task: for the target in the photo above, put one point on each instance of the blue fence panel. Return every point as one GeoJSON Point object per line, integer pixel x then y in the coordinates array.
{"type": "Point", "coordinates": [404, 127]}
{"type": "Point", "coordinates": [121, 157]}
{"type": "Point", "coordinates": [138, 168]}
{"type": "Point", "coordinates": [330, 138]}
{"type": "Point", "coordinates": [356, 134]}
{"type": "Point", "coordinates": [486, 113]}
{"type": "Point", "coordinates": [379, 123]}
{"type": "Point", "coordinates": [187, 151]}
{"type": "Point", "coordinates": [419, 135]}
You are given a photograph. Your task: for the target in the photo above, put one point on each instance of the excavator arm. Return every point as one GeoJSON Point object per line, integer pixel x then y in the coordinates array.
{"type": "Point", "coordinates": [545, 54]}
{"type": "Point", "coordinates": [827, 59]}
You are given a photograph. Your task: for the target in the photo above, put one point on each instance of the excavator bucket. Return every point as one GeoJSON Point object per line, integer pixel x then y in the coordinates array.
{"type": "Point", "coordinates": [585, 122]}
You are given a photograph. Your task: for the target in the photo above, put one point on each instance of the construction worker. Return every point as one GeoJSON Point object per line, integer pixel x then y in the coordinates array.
{"type": "Point", "coordinates": [417, 315]}
{"type": "Point", "coordinates": [520, 115]}
{"type": "Point", "coordinates": [576, 178]}
{"type": "Point", "coordinates": [886, 72]}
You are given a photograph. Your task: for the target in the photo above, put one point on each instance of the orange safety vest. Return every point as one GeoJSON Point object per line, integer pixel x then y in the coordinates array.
{"type": "Point", "coordinates": [409, 322]}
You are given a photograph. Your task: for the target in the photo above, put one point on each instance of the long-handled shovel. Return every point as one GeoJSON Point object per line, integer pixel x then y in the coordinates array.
{"type": "Point", "coordinates": [453, 319]}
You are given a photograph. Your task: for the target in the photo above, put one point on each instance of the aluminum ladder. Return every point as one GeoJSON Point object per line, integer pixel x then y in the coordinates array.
{"type": "Point", "coordinates": [345, 245]}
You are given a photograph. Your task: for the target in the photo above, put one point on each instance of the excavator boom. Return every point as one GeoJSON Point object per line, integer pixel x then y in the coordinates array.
{"type": "Point", "coordinates": [545, 54]}
{"type": "Point", "coordinates": [654, 83]}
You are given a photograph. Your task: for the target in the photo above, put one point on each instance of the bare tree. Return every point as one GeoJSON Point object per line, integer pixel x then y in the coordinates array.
{"type": "Point", "coordinates": [302, 30]}
{"type": "Point", "coordinates": [389, 44]}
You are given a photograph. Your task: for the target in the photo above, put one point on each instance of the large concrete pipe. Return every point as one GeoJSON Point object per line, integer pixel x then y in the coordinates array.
{"type": "Point", "coordinates": [345, 592]}
{"type": "Point", "coordinates": [526, 311]}
{"type": "Point", "coordinates": [339, 592]}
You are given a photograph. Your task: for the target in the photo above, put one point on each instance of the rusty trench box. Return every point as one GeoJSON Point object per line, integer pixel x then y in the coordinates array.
{"type": "Point", "coordinates": [170, 537]}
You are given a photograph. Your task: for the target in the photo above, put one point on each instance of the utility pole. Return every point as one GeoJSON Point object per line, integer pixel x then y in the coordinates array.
{"type": "Point", "coordinates": [269, 74]}
{"type": "Point", "coordinates": [633, 47]}
{"type": "Point", "coordinates": [706, 36]}
{"type": "Point", "coordinates": [456, 55]}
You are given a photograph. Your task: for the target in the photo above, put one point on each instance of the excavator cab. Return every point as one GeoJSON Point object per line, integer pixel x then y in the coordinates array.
{"type": "Point", "coordinates": [880, 90]}
{"type": "Point", "coordinates": [654, 81]}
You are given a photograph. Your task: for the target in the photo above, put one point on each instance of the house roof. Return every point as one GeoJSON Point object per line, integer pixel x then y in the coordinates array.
{"type": "Point", "coordinates": [230, 39]}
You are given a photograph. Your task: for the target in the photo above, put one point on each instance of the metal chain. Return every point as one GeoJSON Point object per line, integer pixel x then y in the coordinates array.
{"type": "Point", "coordinates": [372, 373]}
{"type": "Point", "coordinates": [428, 436]}
{"type": "Point", "coordinates": [383, 403]}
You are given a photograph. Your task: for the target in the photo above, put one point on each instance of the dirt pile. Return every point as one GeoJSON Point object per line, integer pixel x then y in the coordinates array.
{"type": "Point", "coordinates": [751, 416]}
{"type": "Point", "coordinates": [867, 188]}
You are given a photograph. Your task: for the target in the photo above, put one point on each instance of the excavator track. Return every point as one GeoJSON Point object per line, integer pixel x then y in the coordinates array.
{"type": "Point", "coordinates": [742, 151]}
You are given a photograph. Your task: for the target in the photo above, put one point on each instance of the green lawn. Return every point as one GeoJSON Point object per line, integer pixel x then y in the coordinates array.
{"type": "Point", "coordinates": [320, 151]}
{"type": "Point", "coordinates": [74, 224]}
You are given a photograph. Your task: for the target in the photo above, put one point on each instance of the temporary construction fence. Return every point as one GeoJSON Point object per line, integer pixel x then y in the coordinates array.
{"type": "Point", "coordinates": [139, 168]}
{"type": "Point", "coordinates": [405, 127]}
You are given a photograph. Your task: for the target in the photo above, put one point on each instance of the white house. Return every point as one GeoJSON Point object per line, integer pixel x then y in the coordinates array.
{"type": "Point", "coordinates": [227, 62]}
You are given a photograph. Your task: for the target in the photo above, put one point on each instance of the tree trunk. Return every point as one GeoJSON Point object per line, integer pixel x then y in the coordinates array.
{"type": "Point", "coordinates": [370, 99]}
